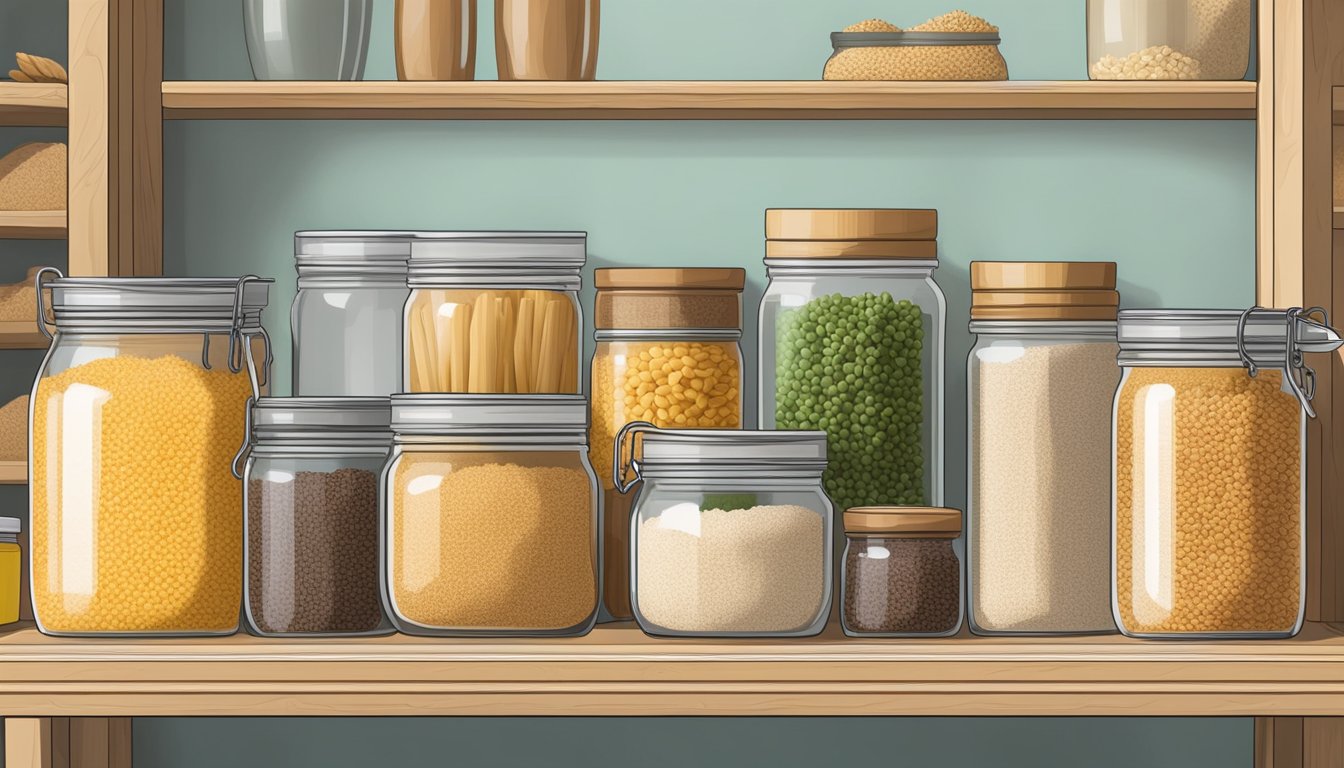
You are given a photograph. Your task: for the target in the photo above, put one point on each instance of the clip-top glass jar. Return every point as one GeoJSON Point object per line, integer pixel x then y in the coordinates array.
{"type": "Point", "coordinates": [346, 316]}
{"type": "Point", "coordinates": [491, 515]}
{"type": "Point", "coordinates": [1169, 39]}
{"type": "Point", "coordinates": [137, 412]}
{"type": "Point", "coordinates": [732, 533]}
{"type": "Point", "coordinates": [494, 313]}
{"type": "Point", "coordinates": [852, 327]}
{"type": "Point", "coordinates": [11, 559]}
{"type": "Point", "coordinates": [1209, 507]}
{"type": "Point", "coordinates": [1040, 382]}
{"type": "Point", "coordinates": [311, 516]}
{"type": "Point", "coordinates": [902, 572]}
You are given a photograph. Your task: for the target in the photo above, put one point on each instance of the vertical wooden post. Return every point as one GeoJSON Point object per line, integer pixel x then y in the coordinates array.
{"type": "Point", "coordinates": [37, 742]}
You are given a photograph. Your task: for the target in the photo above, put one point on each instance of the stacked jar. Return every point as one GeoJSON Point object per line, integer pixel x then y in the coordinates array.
{"type": "Point", "coordinates": [668, 353]}
{"type": "Point", "coordinates": [851, 335]}
{"type": "Point", "coordinates": [1209, 508]}
{"type": "Point", "coordinates": [1040, 380]}
{"type": "Point", "coordinates": [902, 572]}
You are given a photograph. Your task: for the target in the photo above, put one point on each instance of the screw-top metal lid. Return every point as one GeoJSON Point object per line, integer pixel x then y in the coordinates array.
{"type": "Point", "coordinates": [943, 521]}
{"type": "Point", "coordinates": [352, 253]}
{"type": "Point", "coordinates": [851, 224]}
{"type": "Point", "coordinates": [433, 414]}
{"type": "Point", "coordinates": [678, 451]}
{"type": "Point", "coordinates": [316, 415]}
{"type": "Point", "coordinates": [162, 304]}
{"type": "Point", "coordinates": [842, 40]}
{"type": "Point", "coordinates": [11, 526]}
{"type": "Point", "coordinates": [498, 259]}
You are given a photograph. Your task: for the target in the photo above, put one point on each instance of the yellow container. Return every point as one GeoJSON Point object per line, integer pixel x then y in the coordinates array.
{"type": "Point", "coordinates": [11, 558]}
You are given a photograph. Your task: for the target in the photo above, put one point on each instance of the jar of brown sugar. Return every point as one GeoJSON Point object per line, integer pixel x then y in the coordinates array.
{"type": "Point", "coordinates": [1210, 416]}
{"type": "Point", "coordinates": [902, 572]}
{"type": "Point", "coordinates": [668, 353]}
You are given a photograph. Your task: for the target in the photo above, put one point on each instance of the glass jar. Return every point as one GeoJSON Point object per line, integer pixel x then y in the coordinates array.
{"type": "Point", "coordinates": [915, 56]}
{"type": "Point", "coordinates": [491, 516]}
{"type": "Point", "coordinates": [494, 313]}
{"type": "Point", "coordinates": [1040, 381]}
{"type": "Point", "coordinates": [311, 516]}
{"type": "Point", "coordinates": [1168, 39]}
{"type": "Point", "coordinates": [851, 336]}
{"type": "Point", "coordinates": [137, 412]}
{"type": "Point", "coordinates": [668, 353]}
{"type": "Point", "coordinates": [732, 533]}
{"type": "Point", "coordinates": [1209, 509]}
{"type": "Point", "coordinates": [902, 572]}
{"type": "Point", "coordinates": [347, 313]}
{"type": "Point", "coordinates": [11, 568]}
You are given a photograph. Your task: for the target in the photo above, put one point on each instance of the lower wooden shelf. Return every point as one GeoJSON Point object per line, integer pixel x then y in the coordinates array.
{"type": "Point", "coordinates": [16, 334]}
{"type": "Point", "coordinates": [1339, 217]}
{"type": "Point", "coordinates": [34, 225]}
{"type": "Point", "coordinates": [13, 472]}
{"type": "Point", "coordinates": [617, 670]}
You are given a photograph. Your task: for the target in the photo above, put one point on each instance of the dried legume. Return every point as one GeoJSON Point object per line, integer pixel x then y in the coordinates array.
{"type": "Point", "coordinates": [902, 585]}
{"type": "Point", "coordinates": [1158, 62]}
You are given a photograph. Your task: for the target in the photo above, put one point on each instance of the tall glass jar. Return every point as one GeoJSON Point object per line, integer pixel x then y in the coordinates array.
{"type": "Point", "coordinates": [731, 533]}
{"type": "Point", "coordinates": [669, 353]}
{"type": "Point", "coordinates": [1169, 39]}
{"type": "Point", "coordinates": [494, 313]}
{"type": "Point", "coordinates": [491, 516]}
{"type": "Point", "coordinates": [311, 516]}
{"type": "Point", "coordinates": [137, 414]}
{"type": "Point", "coordinates": [346, 317]}
{"type": "Point", "coordinates": [1040, 381]}
{"type": "Point", "coordinates": [851, 342]}
{"type": "Point", "coordinates": [1209, 506]}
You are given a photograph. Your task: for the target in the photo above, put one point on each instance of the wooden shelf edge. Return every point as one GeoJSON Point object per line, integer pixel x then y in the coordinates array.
{"type": "Point", "coordinates": [13, 473]}
{"type": "Point", "coordinates": [37, 225]}
{"type": "Point", "coordinates": [33, 103]}
{"type": "Point", "coordinates": [17, 334]}
{"type": "Point", "coordinates": [708, 100]}
{"type": "Point", "coordinates": [1339, 217]}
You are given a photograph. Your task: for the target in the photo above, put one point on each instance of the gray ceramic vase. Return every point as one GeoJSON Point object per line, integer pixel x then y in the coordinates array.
{"type": "Point", "coordinates": [307, 39]}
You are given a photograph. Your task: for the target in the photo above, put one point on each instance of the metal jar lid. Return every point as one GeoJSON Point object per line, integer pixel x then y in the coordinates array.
{"type": "Point", "coordinates": [430, 415]}
{"type": "Point", "coordinates": [11, 526]}
{"type": "Point", "coordinates": [322, 419]}
{"type": "Point", "coordinates": [153, 304]}
{"type": "Point", "coordinates": [540, 260]}
{"type": "Point", "coordinates": [842, 40]}
{"type": "Point", "coordinates": [692, 452]}
{"type": "Point", "coordinates": [352, 254]}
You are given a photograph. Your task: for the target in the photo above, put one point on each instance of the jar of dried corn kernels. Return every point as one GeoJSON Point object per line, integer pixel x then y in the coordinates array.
{"type": "Point", "coordinates": [138, 415]}
{"type": "Point", "coordinates": [1208, 508]}
{"type": "Point", "coordinates": [668, 352]}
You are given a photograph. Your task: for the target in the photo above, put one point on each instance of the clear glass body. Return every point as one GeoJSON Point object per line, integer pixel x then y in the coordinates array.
{"type": "Point", "coordinates": [901, 585]}
{"type": "Point", "coordinates": [1209, 510]}
{"type": "Point", "coordinates": [486, 341]}
{"type": "Point", "coordinates": [687, 383]}
{"type": "Point", "coordinates": [499, 542]}
{"type": "Point", "coordinates": [306, 40]}
{"type": "Point", "coordinates": [11, 558]}
{"type": "Point", "coordinates": [341, 338]}
{"type": "Point", "coordinates": [311, 524]}
{"type": "Point", "coordinates": [135, 523]}
{"type": "Point", "coordinates": [1039, 400]}
{"type": "Point", "coordinates": [748, 557]}
{"type": "Point", "coordinates": [1168, 39]}
{"type": "Point", "coordinates": [874, 383]}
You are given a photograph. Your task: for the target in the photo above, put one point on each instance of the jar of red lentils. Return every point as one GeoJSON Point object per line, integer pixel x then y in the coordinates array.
{"type": "Point", "coordinates": [1209, 470]}
{"type": "Point", "coordinates": [668, 353]}
{"type": "Point", "coordinates": [137, 414]}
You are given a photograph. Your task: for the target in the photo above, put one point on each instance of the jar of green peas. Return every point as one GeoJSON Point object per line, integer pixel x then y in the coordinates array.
{"type": "Point", "coordinates": [851, 343]}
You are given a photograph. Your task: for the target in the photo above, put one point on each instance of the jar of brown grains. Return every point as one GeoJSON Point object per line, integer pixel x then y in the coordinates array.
{"type": "Point", "coordinates": [902, 572]}
{"type": "Point", "coordinates": [1209, 509]}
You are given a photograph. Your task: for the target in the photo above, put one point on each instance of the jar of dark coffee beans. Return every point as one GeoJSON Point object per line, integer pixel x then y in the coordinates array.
{"type": "Point", "coordinates": [902, 572]}
{"type": "Point", "coordinates": [311, 516]}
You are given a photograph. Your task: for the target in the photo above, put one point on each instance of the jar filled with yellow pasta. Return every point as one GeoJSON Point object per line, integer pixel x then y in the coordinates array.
{"type": "Point", "coordinates": [1209, 477]}
{"type": "Point", "coordinates": [668, 353]}
{"type": "Point", "coordinates": [138, 415]}
{"type": "Point", "coordinates": [494, 313]}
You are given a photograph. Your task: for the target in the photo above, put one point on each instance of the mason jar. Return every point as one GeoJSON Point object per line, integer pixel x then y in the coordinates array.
{"type": "Point", "coordinates": [731, 533]}
{"type": "Point", "coordinates": [1169, 39]}
{"type": "Point", "coordinates": [902, 572]}
{"type": "Point", "coordinates": [311, 516]}
{"type": "Point", "coordinates": [136, 417]}
{"type": "Point", "coordinates": [494, 313]}
{"type": "Point", "coordinates": [1209, 506]}
{"type": "Point", "coordinates": [851, 343]}
{"type": "Point", "coordinates": [346, 316]}
{"type": "Point", "coordinates": [491, 516]}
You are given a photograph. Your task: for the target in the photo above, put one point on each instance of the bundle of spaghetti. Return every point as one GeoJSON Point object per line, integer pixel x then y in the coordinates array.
{"type": "Point", "coordinates": [494, 342]}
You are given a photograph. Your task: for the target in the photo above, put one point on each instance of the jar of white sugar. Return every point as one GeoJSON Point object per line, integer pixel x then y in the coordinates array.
{"type": "Point", "coordinates": [1040, 381]}
{"type": "Point", "coordinates": [731, 533]}
{"type": "Point", "coordinates": [1168, 39]}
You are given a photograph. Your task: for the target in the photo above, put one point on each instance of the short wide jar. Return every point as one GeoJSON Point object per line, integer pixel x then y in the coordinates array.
{"type": "Point", "coordinates": [902, 572]}
{"type": "Point", "coordinates": [1169, 39]}
{"type": "Point", "coordinates": [11, 570]}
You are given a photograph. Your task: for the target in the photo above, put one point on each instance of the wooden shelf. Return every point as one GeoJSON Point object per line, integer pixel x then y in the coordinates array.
{"type": "Point", "coordinates": [709, 100]}
{"type": "Point", "coordinates": [1339, 217]}
{"type": "Point", "coordinates": [35, 225]}
{"type": "Point", "coordinates": [17, 334]}
{"type": "Point", "coordinates": [32, 103]}
{"type": "Point", "coordinates": [617, 670]}
{"type": "Point", "coordinates": [13, 473]}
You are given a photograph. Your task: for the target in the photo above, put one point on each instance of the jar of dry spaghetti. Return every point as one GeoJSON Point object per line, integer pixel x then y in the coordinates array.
{"type": "Point", "coordinates": [1209, 512]}
{"type": "Point", "coordinates": [954, 46]}
{"type": "Point", "coordinates": [668, 353]}
{"type": "Point", "coordinates": [494, 313]}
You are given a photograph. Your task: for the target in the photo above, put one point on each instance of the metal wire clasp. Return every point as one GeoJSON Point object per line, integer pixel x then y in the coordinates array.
{"type": "Point", "coordinates": [42, 321]}
{"type": "Point", "coordinates": [619, 465]}
{"type": "Point", "coordinates": [1300, 377]}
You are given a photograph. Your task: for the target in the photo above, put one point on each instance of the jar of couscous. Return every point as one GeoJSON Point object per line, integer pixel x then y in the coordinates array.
{"type": "Point", "coordinates": [954, 46]}
{"type": "Point", "coordinates": [1209, 509]}
{"type": "Point", "coordinates": [138, 413]}
{"type": "Point", "coordinates": [11, 570]}
{"type": "Point", "coordinates": [669, 353]}
{"type": "Point", "coordinates": [851, 343]}
{"type": "Point", "coordinates": [491, 515]}
{"type": "Point", "coordinates": [1169, 39]}
{"type": "Point", "coordinates": [731, 533]}
{"type": "Point", "coordinates": [494, 313]}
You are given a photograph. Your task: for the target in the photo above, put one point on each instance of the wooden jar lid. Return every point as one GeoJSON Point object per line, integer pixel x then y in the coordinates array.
{"type": "Point", "coordinates": [657, 278]}
{"type": "Point", "coordinates": [942, 521]}
{"type": "Point", "coordinates": [1042, 275]}
{"type": "Point", "coordinates": [668, 298]}
{"type": "Point", "coordinates": [921, 250]}
{"type": "Point", "coordinates": [851, 224]}
{"type": "Point", "coordinates": [1045, 299]}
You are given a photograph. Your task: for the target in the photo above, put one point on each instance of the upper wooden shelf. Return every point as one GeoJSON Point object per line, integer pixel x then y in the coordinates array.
{"type": "Point", "coordinates": [32, 103]}
{"type": "Point", "coordinates": [617, 670]}
{"type": "Point", "coordinates": [13, 473]}
{"type": "Point", "coordinates": [39, 225]}
{"type": "Point", "coordinates": [709, 100]}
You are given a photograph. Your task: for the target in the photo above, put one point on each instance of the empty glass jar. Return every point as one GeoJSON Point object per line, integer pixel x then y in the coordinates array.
{"type": "Point", "coordinates": [1168, 39]}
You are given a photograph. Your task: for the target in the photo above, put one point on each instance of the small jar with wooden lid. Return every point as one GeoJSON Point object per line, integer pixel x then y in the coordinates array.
{"type": "Point", "coordinates": [902, 572]}
{"type": "Point", "coordinates": [851, 335]}
{"type": "Point", "coordinates": [668, 353]}
{"type": "Point", "coordinates": [1040, 381]}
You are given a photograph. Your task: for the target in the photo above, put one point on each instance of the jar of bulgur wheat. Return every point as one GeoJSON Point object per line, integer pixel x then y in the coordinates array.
{"type": "Point", "coordinates": [950, 56]}
{"type": "Point", "coordinates": [1209, 470]}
